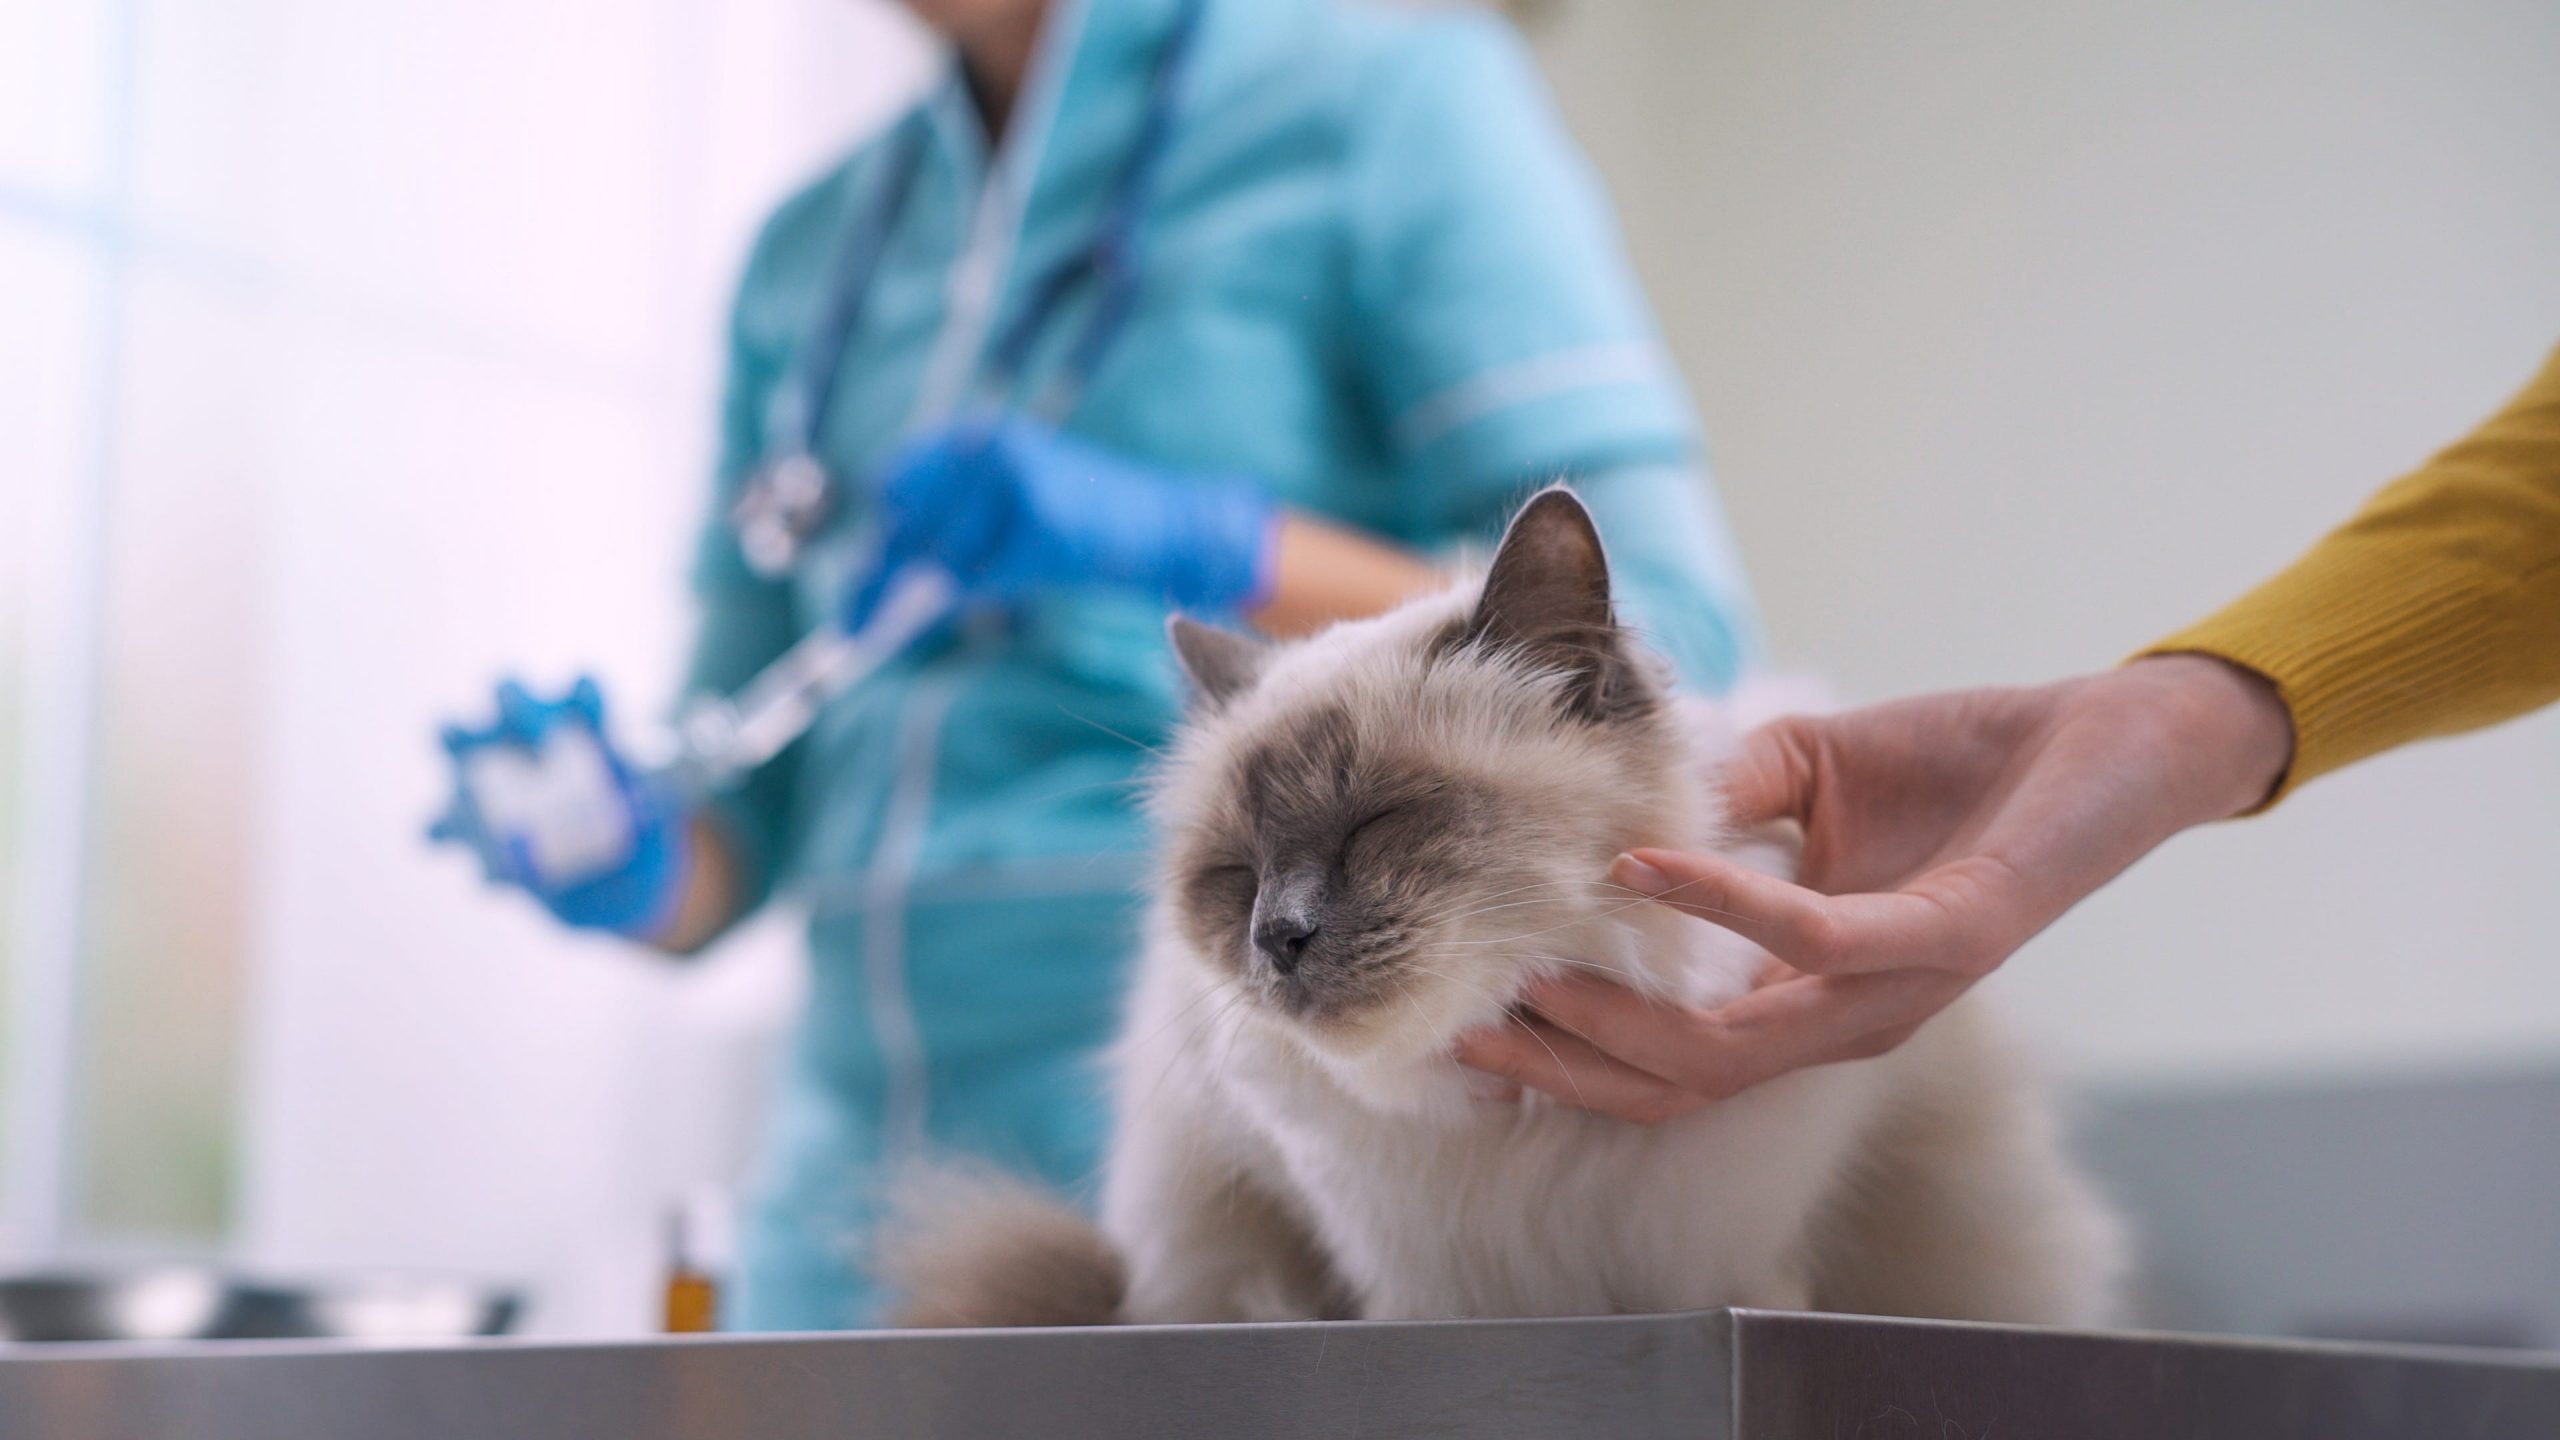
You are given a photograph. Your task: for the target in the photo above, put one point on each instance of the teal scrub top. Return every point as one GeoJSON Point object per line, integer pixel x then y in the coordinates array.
{"type": "Point", "coordinates": [1374, 277]}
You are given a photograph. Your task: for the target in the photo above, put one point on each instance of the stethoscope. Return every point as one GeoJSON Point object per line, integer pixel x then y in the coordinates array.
{"type": "Point", "coordinates": [788, 501]}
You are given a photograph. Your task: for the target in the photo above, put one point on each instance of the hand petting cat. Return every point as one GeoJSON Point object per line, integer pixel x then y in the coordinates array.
{"type": "Point", "coordinates": [1941, 833]}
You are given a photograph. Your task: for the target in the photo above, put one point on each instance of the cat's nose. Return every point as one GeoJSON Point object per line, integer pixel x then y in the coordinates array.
{"type": "Point", "coordinates": [1282, 939]}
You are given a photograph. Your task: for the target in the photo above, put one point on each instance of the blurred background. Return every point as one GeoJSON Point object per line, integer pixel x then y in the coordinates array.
{"type": "Point", "coordinates": [352, 354]}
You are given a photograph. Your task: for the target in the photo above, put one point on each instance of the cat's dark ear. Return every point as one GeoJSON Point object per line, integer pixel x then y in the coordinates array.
{"type": "Point", "coordinates": [1221, 663]}
{"type": "Point", "coordinates": [1547, 596]}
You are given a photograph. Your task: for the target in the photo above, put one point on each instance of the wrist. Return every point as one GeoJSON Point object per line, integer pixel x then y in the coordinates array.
{"type": "Point", "coordinates": [1322, 573]}
{"type": "Point", "coordinates": [713, 893]}
{"type": "Point", "coordinates": [1265, 568]}
{"type": "Point", "coordinates": [2227, 721]}
{"type": "Point", "coordinates": [658, 907]}
{"type": "Point", "coordinates": [644, 898]}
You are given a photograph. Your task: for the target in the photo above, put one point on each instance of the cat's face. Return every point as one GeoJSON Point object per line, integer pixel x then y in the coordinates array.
{"type": "Point", "coordinates": [1379, 835]}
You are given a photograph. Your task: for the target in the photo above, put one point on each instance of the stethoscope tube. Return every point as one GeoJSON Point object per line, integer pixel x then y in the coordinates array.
{"type": "Point", "coordinates": [790, 498]}
{"type": "Point", "coordinates": [720, 742]}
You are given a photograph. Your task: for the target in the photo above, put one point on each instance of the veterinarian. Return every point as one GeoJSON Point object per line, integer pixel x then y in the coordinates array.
{"type": "Point", "coordinates": [1944, 832]}
{"type": "Point", "coordinates": [1241, 307]}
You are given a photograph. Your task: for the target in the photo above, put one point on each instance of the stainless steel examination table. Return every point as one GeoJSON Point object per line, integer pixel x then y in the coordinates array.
{"type": "Point", "coordinates": [1712, 1376]}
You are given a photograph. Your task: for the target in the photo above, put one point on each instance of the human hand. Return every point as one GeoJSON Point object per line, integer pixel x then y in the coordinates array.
{"type": "Point", "coordinates": [1015, 507]}
{"type": "Point", "coordinates": [1941, 833]}
{"type": "Point", "coordinates": [551, 807]}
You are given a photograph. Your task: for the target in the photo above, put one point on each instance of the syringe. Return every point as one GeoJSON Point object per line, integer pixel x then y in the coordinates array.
{"type": "Point", "coordinates": [722, 740]}
{"type": "Point", "coordinates": [553, 785]}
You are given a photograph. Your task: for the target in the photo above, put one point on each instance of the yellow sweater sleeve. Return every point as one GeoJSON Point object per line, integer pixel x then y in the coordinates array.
{"type": "Point", "coordinates": [2435, 610]}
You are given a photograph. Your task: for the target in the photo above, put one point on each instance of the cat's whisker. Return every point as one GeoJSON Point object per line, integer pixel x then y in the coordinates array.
{"type": "Point", "coordinates": [1602, 915]}
{"type": "Point", "coordinates": [1235, 1036]}
{"type": "Point", "coordinates": [1194, 1004]}
{"type": "Point", "coordinates": [1444, 916]}
{"type": "Point", "coordinates": [1448, 916]}
{"type": "Point", "coordinates": [1641, 898]}
{"type": "Point", "coordinates": [1484, 910]}
{"type": "Point", "coordinates": [1551, 1054]}
{"type": "Point", "coordinates": [1175, 1053]}
{"type": "Point", "coordinates": [1157, 751]}
{"type": "Point", "coordinates": [1618, 973]}
{"type": "Point", "coordinates": [1134, 784]}
{"type": "Point", "coordinates": [1634, 895]}
{"type": "Point", "coordinates": [1204, 1023]}
{"type": "Point", "coordinates": [1413, 1002]}
{"type": "Point", "coordinates": [1618, 970]}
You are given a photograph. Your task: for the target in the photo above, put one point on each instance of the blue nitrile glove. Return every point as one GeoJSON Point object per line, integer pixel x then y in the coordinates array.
{"type": "Point", "coordinates": [1013, 507]}
{"type": "Point", "coordinates": [549, 805]}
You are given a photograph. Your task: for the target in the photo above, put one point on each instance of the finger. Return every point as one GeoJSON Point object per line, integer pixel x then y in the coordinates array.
{"type": "Point", "coordinates": [518, 714]}
{"type": "Point", "coordinates": [1652, 1036]}
{"type": "Point", "coordinates": [1818, 1020]}
{"type": "Point", "coordinates": [1773, 970]}
{"type": "Point", "coordinates": [1564, 1067]}
{"type": "Point", "coordinates": [511, 863]}
{"type": "Point", "coordinates": [1816, 933]}
{"type": "Point", "coordinates": [1771, 776]}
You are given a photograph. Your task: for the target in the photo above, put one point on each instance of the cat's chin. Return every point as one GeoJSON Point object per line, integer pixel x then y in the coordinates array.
{"type": "Point", "coordinates": [1375, 1042]}
{"type": "Point", "coordinates": [1397, 1061]}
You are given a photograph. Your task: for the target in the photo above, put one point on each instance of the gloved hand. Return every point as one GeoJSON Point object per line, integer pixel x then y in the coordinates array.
{"type": "Point", "coordinates": [1015, 507]}
{"type": "Point", "coordinates": [550, 806]}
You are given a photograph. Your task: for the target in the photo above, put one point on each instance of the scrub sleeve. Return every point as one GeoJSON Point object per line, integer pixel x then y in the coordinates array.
{"type": "Point", "coordinates": [1506, 345]}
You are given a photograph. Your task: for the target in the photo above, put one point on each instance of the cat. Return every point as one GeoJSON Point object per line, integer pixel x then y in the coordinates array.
{"type": "Point", "coordinates": [1372, 840]}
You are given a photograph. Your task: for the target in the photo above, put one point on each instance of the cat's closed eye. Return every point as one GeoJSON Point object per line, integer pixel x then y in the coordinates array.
{"type": "Point", "coordinates": [1230, 884]}
{"type": "Point", "coordinates": [1369, 829]}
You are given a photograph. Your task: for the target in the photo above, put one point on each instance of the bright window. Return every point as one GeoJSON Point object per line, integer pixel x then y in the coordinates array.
{"type": "Point", "coordinates": [350, 356]}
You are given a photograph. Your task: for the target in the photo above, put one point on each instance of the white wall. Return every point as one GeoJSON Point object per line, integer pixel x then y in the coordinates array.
{"type": "Point", "coordinates": [2027, 332]}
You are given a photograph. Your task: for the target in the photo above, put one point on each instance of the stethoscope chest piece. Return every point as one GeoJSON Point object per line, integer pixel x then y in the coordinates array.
{"type": "Point", "coordinates": [784, 505]}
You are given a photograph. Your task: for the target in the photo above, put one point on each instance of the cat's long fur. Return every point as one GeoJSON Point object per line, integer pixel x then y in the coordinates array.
{"type": "Point", "coordinates": [1414, 811]}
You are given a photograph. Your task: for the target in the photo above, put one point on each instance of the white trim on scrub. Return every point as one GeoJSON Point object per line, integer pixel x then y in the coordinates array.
{"type": "Point", "coordinates": [884, 929]}
{"type": "Point", "coordinates": [1558, 372]}
{"type": "Point", "coordinates": [975, 288]}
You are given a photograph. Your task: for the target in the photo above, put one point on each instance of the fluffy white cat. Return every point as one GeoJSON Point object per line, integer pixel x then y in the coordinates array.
{"type": "Point", "coordinates": [1373, 841]}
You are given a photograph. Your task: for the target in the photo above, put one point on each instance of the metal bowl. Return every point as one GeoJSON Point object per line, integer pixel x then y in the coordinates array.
{"type": "Point", "coordinates": [372, 1307]}
{"type": "Point", "coordinates": [184, 1302]}
{"type": "Point", "coordinates": [161, 1302]}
